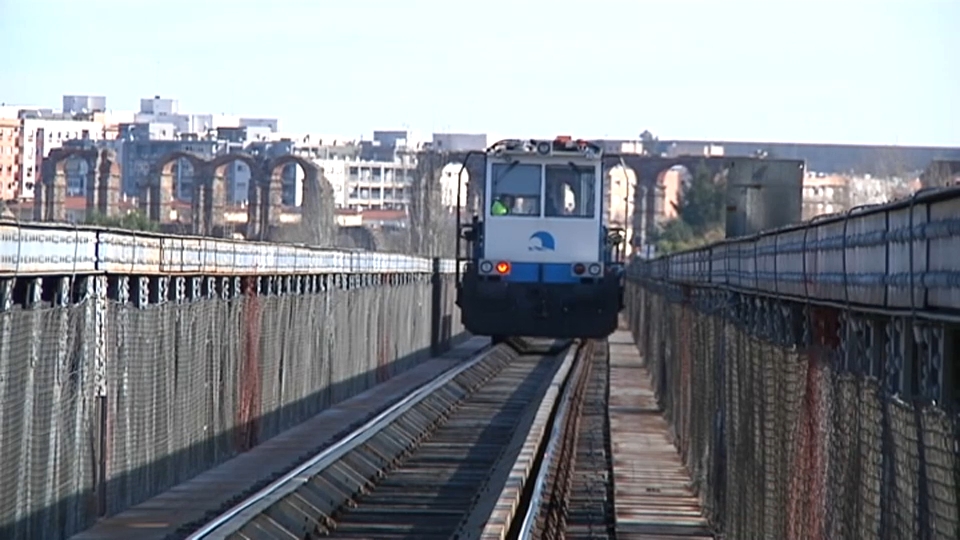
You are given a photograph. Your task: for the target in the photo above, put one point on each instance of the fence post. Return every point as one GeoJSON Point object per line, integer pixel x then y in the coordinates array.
{"type": "Point", "coordinates": [97, 291]}
{"type": "Point", "coordinates": [436, 286]}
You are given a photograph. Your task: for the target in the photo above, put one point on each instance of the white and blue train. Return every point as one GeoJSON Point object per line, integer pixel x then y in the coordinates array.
{"type": "Point", "coordinates": [542, 263]}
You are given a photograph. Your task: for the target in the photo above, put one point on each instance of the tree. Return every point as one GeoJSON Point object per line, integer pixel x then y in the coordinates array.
{"type": "Point", "coordinates": [135, 221]}
{"type": "Point", "coordinates": [701, 215]}
{"type": "Point", "coordinates": [701, 203]}
{"type": "Point", "coordinates": [674, 235]}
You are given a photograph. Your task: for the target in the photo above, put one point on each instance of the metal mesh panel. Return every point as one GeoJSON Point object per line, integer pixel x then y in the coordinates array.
{"type": "Point", "coordinates": [940, 437]}
{"type": "Point", "coordinates": [871, 463]}
{"type": "Point", "coordinates": [205, 380]}
{"type": "Point", "coordinates": [140, 374]}
{"type": "Point", "coordinates": [47, 413]}
{"type": "Point", "coordinates": [787, 432]}
{"type": "Point", "coordinates": [906, 468]}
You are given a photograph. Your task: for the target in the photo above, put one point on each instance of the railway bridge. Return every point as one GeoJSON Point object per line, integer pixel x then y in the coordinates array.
{"type": "Point", "coordinates": [800, 382]}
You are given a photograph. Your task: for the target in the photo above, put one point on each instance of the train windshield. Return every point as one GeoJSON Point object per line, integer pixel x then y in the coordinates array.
{"type": "Point", "coordinates": [570, 191]}
{"type": "Point", "coordinates": [515, 189]}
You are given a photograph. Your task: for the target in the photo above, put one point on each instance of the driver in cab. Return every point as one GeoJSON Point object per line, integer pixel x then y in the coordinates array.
{"type": "Point", "coordinates": [502, 205]}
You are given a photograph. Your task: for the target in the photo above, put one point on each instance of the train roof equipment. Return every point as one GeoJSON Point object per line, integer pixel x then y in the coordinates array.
{"type": "Point", "coordinates": [562, 146]}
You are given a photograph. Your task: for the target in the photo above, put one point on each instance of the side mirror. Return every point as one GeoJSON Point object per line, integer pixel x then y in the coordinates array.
{"type": "Point", "coordinates": [468, 233]}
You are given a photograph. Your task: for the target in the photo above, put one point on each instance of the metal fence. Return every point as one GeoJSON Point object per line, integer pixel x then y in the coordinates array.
{"type": "Point", "coordinates": [802, 417]}
{"type": "Point", "coordinates": [189, 385]}
{"type": "Point", "coordinates": [117, 387]}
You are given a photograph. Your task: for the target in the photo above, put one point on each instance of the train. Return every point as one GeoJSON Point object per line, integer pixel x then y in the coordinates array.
{"type": "Point", "coordinates": [539, 261]}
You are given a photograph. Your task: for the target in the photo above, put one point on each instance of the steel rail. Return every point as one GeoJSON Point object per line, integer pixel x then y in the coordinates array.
{"type": "Point", "coordinates": [502, 520]}
{"type": "Point", "coordinates": [557, 435]}
{"type": "Point", "coordinates": [232, 520]}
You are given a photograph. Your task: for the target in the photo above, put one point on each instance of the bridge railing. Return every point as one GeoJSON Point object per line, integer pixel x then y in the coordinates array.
{"type": "Point", "coordinates": [130, 362]}
{"type": "Point", "coordinates": [811, 373]}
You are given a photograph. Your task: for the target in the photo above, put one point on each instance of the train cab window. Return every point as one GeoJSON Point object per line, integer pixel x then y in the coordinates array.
{"type": "Point", "coordinates": [515, 189]}
{"type": "Point", "coordinates": [570, 191]}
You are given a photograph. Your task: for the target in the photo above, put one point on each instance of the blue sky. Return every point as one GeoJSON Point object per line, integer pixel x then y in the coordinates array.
{"type": "Point", "coordinates": [878, 71]}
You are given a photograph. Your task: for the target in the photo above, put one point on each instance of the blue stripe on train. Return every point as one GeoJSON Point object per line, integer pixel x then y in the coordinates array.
{"type": "Point", "coordinates": [523, 272]}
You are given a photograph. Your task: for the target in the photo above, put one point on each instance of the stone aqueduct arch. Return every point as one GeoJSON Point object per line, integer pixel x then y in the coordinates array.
{"type": "Point", "coordinates": [761, 192]}
{"type": "Point", "coordinates": [156, 196]}
{"type": "Point", "coordinates": [102, 185]}
{"type": "Point", "coordinates": [318, 222]}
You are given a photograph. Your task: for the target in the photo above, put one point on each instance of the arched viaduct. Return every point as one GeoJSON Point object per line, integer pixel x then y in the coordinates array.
{"type": "Point", "coordinates": [318, 223]}
{"type": "Point", "coordinates": [156, 193]}
{"type": "Point", "coordinates": [758, 192]}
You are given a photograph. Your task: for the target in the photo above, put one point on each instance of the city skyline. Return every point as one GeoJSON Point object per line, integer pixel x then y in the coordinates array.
{"type": "Point", "coordinates": [237, 118]}
{"type": "Point", "coordinates": [852, 75]}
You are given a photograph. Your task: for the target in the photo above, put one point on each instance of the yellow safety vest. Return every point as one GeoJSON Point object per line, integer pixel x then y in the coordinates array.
{"type": "Point", "coordinates": [499, 209]}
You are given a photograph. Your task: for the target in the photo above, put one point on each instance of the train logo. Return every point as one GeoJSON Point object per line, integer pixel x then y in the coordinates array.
{"type": "Point", "coordinates": [542, 241]}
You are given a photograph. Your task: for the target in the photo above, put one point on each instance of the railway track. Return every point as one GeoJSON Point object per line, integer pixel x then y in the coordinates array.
{"type": "Point", "coordinates": [501, 445]}
{"type": "Point", "coordinates": [431, 466]}
{"type": "Point", "coordinates": [569, 493]}
{"type": "Point", "coordinates": [589, 507]}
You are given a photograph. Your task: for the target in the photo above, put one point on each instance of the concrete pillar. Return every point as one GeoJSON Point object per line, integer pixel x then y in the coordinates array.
{"type": "Point", "coordinates": [271, 199]}
{"type": "Point", "coordinates": [311, 211]}
{"type": "Point", "coordinates": [90, 190]}
{"type": "Point", "coordinates": [39, 199]}
{"type": "Point", "coordinates": [216, 201]}
{"type": "Point", "coordinates": [51, 188]}
{"type": "Point", "coordinates": [204, 202]}
{"type": "Point", "coordinates": [144, 199]}
{"type": "Point", "coordinates": [162, 199]}
{"type": "Point", "coordinates": [253, 206]}
{"type": "Point", "coordinates": [106, 190]}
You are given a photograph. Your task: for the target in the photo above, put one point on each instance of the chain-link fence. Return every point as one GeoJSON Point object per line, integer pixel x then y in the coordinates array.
{"type": "Point", "coordinates": [801, 422]}
{"type": "Point", "coordinates": [109, 402]}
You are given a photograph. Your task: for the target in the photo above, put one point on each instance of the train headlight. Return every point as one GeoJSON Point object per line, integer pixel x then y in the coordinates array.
{"type": "Point", "coordinates": [594, 269]}
{"type": "Point", "coordinates": [486, 267]}
{"type": "Point", "coordinates": [579, 269]}
{"type": "Point", "coordinates": [503, 267]}
{"type": "Point", "coordinates": [543, 147]}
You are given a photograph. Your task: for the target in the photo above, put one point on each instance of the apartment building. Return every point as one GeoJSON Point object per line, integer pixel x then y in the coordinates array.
{"type": "Point", "coordinates": [9, 157]}
{"type": "Point", "coordinates": [369, 185]}
{"type": "Point", "coordinates": [41, 132]}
